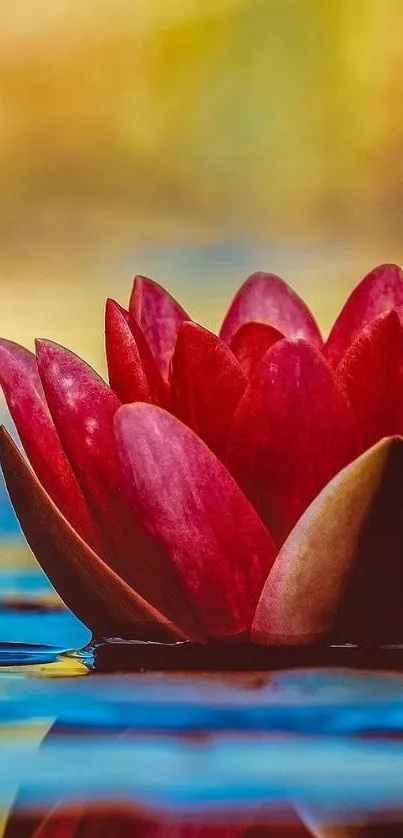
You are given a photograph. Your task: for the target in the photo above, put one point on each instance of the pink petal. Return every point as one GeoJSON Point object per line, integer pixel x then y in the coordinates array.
{"type": "Point", "coordinates": [339, 576]}
{"type": "Point", "coordinates": [379, 291]}
{"type": "Point", "coordinates": [206, 384]}
{"type": "Point", "coordinates": [371, 373]}
{"type": "Point", "coordinates": [251, 342]}
{"type": "Point", "coordinates": [103, 601]}
{"type": "Point", "coordinates": [26, 360]}
{"type": "Point", "coordinates": [266, 298]}
{"type": "Point", "coordinates": [22, 387]}
{"type": "Point", "coordinates": [186, 497]}
{"type": "Point", "coordinates": [83, 409]}
{"type": "Point", "coordinates": [133, 372]}
{"type": "Point", "coordinates": [292, 431]}
{"type": "Point", "coordinates": [159, 316]}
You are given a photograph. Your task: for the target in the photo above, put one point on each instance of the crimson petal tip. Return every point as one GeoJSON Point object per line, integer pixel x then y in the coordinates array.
{"type": "Point", "coordinates": [266, 298]}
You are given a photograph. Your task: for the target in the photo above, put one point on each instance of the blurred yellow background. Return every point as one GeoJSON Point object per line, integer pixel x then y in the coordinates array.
{"type": "Point", "coordinates": [195, 140]}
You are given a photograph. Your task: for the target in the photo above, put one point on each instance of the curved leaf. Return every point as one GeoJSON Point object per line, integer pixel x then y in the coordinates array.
{"type": "Point", "coordinates": [102, 600]}
{"type": "Point", "coordinates": [339, 575]}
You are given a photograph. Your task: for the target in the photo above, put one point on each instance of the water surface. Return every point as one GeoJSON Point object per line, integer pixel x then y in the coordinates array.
{"type": "Point", "coordinates": [218, 753]}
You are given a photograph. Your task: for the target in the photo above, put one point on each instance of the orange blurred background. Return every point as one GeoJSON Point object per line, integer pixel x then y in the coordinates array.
{"type": "Point", "coordinates": [194, 140]}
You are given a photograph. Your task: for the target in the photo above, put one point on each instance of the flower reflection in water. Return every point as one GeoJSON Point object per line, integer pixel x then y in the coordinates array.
{"type": "Point", "coordinates": [108, 822]}
{"type": "Point", "coordinates": [293, 754]}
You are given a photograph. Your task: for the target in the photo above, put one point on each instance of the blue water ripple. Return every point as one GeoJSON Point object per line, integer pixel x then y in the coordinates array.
{"type": "Point", "coordinates": [225, 773]}
{"type": "Point", "coordinates": [344, 704]}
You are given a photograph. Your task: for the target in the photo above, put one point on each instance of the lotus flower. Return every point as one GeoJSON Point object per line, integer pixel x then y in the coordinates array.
{"type": "Point", "coordinates": [247, 485]}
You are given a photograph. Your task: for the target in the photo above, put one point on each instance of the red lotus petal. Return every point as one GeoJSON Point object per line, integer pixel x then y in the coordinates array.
{"type": "Point", "coordinates": [133, 372]}
{"type": "Point", "coordinates": [83, 409]}
{"type": "Point", "coordinates": [380, 291]}
{"type": "Point", "coordinates": [26, 360]}
{"type": "Point", "coordinates": [371, 372]}
{"type": "Point", "coordinates": [293, 430]}
{"type": "Point", "coordinates": [159, 316]}
{"type": "Point", "coordinates": [103, 601]}
{"type": "Point", "coordinates": [186, 497]}
{"type": "Point", "coordinates": [22, 387]}
{"type": "Point", "coordinates": [251, 342]}
{"type": "Point", "coordinates": [206, 384]}
{"type": "Point", "coordinates": [266, 298]}
{"type": "Point", "coordinates": [339, 576]}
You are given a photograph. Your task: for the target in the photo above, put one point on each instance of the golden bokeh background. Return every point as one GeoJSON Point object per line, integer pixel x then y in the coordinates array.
{"type": "Point", "coordinates": [195, 140]}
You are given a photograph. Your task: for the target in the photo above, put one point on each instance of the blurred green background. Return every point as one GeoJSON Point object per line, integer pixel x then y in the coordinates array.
{"type": "Point", "coordinates": [195, 140]}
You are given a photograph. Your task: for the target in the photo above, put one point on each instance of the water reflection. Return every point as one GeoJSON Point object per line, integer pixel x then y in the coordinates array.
{"type": "Point", "coordinates": [220, 785]}
{"type": "Point", "coordinates": [306, 751]}
{"type": "Point", "coordinates": [323, 744]}
{"type": "Point", "coordinates": [305, 702]}
{"type": "Point", "coordinates": [106, 822]}
{"type": "Point", "coordinates": [35, 628]}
